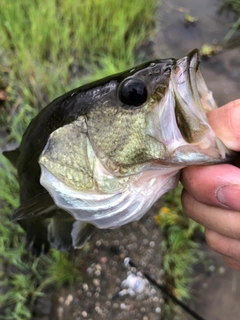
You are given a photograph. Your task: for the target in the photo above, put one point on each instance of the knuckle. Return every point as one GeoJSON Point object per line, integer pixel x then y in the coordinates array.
{"type": "Point", "coordinates": [213, 240]}
{"type": "Point", "coordinates": [232, 263]}
{"type": "Point", "coordinates": [230, 251]}
{"type": "Point", "coordinates": [210, 239]}
{"type": "Point", "coordinates": [225, 246]}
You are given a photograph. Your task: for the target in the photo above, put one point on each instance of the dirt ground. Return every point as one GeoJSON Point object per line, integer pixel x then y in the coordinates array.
{"type": "Point", "coordinates": [215, 292]}
{"type": "Point", "coordinates": [104, 295]}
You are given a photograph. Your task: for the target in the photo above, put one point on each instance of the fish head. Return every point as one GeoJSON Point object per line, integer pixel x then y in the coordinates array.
{"type": "Point", "coordinates": [138, 129]}
{"type": "Point", "coordinates": [156, 114]}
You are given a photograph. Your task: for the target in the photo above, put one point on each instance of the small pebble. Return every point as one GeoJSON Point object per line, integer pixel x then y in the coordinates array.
{"type": "Point", "coordinates": [60, 312]}
{"type": "Point", "coordinates": [85, 286]}
{"type": "Point", "coordinates": [84, 314]}
{"type": "Point", "coordinates": [97, 273]}
{"type": "Point", "coordinates": [103, 259]}
{"type": "Point", "coordinates": [61, 299]}
{"type": "Point", "coordinates": [212, 268]}
{"type": "Point", "coordinates": [108, 303]}
{"type": "Point", "coordinates": [68, 300]}
{"type": "Point", "coordinates": [152, 244]}
{"type": "Point", "coordinates": [123, 306]}
{"type": "Point", "coordinates": [145, 241]}
{"type": "Point", "coordinates": [98, 243]}
{"type": "Point", "coordinates": [158, 310]}
{"type": "Point", "coordinates": [96, 282]}
{"type": "Point", "coordinates": [221, 270]}
{"type": "Point", "coordinates": [98, 266]}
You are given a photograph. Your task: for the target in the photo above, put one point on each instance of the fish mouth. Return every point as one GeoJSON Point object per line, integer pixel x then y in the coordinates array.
{"type": "Point", "coordinates": [193, 99]}
{"type": "Point", "coordinates": [181, 120]}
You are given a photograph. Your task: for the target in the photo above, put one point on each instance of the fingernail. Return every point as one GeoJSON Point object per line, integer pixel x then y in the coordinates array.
{"type": "Point", "coordinates": [229, 196]}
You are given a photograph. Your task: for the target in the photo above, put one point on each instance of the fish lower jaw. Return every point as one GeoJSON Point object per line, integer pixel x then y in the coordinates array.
{"type": "Point", "coordinates": [194, 155]}
{"type": "Point", "coordinates": [116, 209]}
{"type": "Point", "coordinates": [208, 150]}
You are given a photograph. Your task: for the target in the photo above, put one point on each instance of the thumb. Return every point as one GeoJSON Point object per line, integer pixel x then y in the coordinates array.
{"type": "Point", "coordinates": [225, 122]}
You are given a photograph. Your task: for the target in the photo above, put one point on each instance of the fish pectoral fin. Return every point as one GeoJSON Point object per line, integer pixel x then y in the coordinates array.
{"type": "Point", "coordinates": [11, 152]}
{"type": "Point", "coordinates": [66, 233]}
{"type": "Point", "coordinates": [81, 232]}
{"type": "Point", "coordinates": [34, 207]}
{"type": "Point", "coordinates": [59, 233]}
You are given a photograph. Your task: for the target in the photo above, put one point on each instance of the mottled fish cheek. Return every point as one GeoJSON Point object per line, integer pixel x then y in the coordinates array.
{"type": "Point", "coordinates": [69, 157]}
{"type": "Point", "coordinates": [118, 138]}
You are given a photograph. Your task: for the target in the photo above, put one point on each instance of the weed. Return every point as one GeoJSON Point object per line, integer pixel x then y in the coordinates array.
{"type": "Point", "coordinates": [231, 10]}
{"type": "Point", "coordinates": [62, 270]}
{"type": "Point", "coordinates": [53, 45]}
{"type": "Point", "coordinates": [180, 252]}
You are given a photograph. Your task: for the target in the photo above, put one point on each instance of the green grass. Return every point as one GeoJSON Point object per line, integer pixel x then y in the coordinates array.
{"type": "Point", "coordinates": [48, 48]}
{"type": "Point", "coordinates": [180, 251]}
{"type": "Point", "coordinates": [65, 270]}
{"type": "Point", "coordinates": [230, 7]}
{"type": "Point", "coordinates": [231, 10]}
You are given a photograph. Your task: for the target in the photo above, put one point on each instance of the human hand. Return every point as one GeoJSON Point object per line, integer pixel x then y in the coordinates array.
{"type": "Point", "coordinates": [211, 194]}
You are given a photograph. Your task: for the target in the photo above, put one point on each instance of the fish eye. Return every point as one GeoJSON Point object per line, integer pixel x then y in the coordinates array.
{"type": "Point", "coordinates": [132, 92]}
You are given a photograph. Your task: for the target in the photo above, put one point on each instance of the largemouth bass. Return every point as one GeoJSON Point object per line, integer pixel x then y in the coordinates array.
{"type": "Point", "coordinates": [102, 154]}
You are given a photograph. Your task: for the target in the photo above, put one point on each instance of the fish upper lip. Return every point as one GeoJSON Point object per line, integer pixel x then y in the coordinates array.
{"type": "Point", "coordinates": [194, 77]}
{"type": "Point", "coordinates": [187, 71]}
{"type": "Point", "coordinates": [188, 65]}
{"type": "Point", "coordinates": [194, 59]}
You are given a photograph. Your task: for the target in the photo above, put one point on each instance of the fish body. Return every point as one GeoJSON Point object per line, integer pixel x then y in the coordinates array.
{"type": "Point", "coordinates": [102, 154]}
